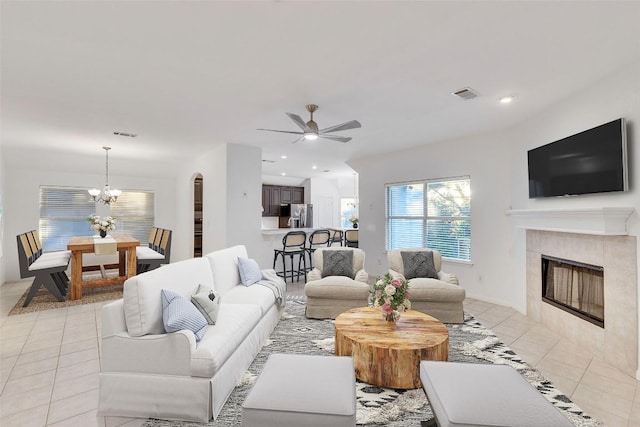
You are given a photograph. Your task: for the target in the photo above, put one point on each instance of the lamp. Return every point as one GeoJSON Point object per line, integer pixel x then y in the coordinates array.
{"type": "Point", "coordinates": [107, 195]}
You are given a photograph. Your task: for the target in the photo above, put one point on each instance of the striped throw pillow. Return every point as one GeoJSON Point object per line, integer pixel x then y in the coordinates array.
{"type": "Point", "coordinates": [178, 313]}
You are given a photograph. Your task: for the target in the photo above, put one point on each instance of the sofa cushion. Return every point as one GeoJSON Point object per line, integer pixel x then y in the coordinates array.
{"type": "Point", "coordinates": [178, 313]}
{"type": "Point", "coordinates": [207, 301]}
{"type": "Point", "coordinates": [235, 322]}
{"type": "Point", "coordinates": [337, 287]}
{"type": "Point", "coordinates": [249, 271]}
{"type": "Point", "coordinates": [435, 290]}
{"type": "Point", "coordinates": [224, 267]}
{"type": "Point", "coordinates": [256, 294]}
{"type": "Point", "coordinates": [141, 294]}
{"type": "Point", "coordinates": [337, 263]}
{"type": "Point", "coordinates": [418, 264]}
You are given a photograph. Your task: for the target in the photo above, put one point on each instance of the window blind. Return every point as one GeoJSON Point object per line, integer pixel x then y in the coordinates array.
{"type": "Point", "coordinates": [64, 212]}
{"type": "Point", "coordinates": [434, 214]}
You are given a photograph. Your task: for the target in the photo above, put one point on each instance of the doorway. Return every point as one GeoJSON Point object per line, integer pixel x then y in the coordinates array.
{"type": "Point", "coordinates": [197, 216]}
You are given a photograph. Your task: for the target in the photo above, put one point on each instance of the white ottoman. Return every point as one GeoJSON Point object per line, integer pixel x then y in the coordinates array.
{"type": "Point", "coordinates": [477, 395]}
{"type": "Point", "coordinates": [300, 390]}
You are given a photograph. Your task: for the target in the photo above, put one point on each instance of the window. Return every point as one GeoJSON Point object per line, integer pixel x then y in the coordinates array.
{"type": "Point", "coordinates": [347, 209]}
{"type": "Point", "coordinates": [434, 214]}
{"type": "Point", "coordinates": [64, 212]}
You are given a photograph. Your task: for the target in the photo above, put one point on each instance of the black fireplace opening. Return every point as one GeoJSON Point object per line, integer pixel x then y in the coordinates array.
{"type": "Point", "coordinates": [575, 287]}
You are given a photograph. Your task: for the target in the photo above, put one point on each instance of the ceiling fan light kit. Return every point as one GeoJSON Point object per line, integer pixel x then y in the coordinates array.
{"type": "Point", "coordinates": [310, 130]}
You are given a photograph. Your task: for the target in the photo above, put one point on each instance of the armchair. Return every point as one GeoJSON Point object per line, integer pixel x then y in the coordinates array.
{"type": "Point", "coordinates": [338, 282]}
{"type": "Point", "coordinates": [433, 291]}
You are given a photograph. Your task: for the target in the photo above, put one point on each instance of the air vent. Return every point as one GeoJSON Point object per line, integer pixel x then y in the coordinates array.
{"type": "Point", "coordinates": [465, 93]}
{"type": "Point", "coordinates": [268, 161]}
{"type": "Point", "coordinates": [128, 135]}
{"type": "Point", "coordinates": [327, 170]}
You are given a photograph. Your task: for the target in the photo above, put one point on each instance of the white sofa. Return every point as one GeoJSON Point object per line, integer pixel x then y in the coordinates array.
{"type": "Point", "coordinates": [147, 372]}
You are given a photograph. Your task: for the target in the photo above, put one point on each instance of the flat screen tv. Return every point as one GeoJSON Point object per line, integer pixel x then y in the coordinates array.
{"type": "Point", "coordinates": [593, 161]}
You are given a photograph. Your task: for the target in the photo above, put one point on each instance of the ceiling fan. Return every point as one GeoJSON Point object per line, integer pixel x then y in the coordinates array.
{"type": "Point", "coordinates": [310, 129]}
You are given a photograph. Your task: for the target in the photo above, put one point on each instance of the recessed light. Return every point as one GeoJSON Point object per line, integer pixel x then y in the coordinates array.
{"type": "Point", "coordinates": [283, 174]}
{"type": "Point", "coordinates": [314, 167]}
{"type": "Point", "coordinates": [506, 99]}
{"type": "Point", "coordinates": [283, 157]}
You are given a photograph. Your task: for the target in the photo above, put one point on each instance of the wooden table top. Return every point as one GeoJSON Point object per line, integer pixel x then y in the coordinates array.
{"type": "Point", "coordinates": [414, 329]}
{"type": "Point", "coordinates": [388, 354]}
{"type": "Point", "coordinates": [83, 243]}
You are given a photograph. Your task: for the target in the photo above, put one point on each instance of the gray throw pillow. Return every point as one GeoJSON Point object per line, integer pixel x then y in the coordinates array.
{"type": "Point", "coordinates": [337, 263]}
{"type": "Point", "coordinates": [418, 264]}
{"type": "Point", "coordinates": [207, 301]}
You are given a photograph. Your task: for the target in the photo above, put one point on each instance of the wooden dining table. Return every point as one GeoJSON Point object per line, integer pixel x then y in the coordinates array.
{"type": "Point", "coordinates": [78, 245]}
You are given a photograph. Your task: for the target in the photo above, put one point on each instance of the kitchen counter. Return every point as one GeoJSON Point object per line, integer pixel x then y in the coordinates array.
{"type": "Point", "coordinates": [283, 231]}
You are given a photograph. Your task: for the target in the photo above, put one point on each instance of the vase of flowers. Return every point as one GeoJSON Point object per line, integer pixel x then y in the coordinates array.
{"type": "Point", "coordinates": [392, 295]}
{"type": "Point", "coordinates": [354, 221]}
{"type": "Point", "coordinates": [102, 225]}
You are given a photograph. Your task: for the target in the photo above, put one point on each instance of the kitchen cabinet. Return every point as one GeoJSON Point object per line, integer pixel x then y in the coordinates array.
{"type": "Point", "coordinates": [298, 195]}
{"type": "Point", "coordinates": [275, 195]}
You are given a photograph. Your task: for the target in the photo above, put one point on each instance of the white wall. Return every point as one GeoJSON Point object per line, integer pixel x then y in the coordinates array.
{"type": "Point", "coordinates": [21, 199]}
{"type": "Point", "coordinates": [497, 165]}
{"type": "Point", "coordinates": [232, 199]}
{"type": "Point", "coordinates": [2, 238]}
{"type": "Point", "coordinates": [486, 160]}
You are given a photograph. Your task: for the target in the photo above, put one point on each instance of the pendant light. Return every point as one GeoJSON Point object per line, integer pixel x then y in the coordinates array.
{"type": "Point", "coordinates": [107, 195]}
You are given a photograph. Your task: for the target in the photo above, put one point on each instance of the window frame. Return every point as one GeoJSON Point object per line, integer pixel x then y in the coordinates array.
{"type": "Point", "coordinates": [425, 217]}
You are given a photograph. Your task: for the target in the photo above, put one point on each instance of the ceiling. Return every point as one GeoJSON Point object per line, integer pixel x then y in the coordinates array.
{"type": "Point", "coordinates": [187, 75]}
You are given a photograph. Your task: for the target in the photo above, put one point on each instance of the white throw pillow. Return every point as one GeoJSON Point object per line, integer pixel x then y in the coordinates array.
{"type": "Point", "coordinates": [249, 271]}
{"type": "Point", "coordinates": [178, 313]}
{"type": "Point", "coordinates": [207, 301]}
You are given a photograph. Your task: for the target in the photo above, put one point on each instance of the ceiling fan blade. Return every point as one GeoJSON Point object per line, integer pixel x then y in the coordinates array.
{"type": "Point", "coordinates": [336, 138]}
{"type": "Point", "coordinates": [299, 122]}
{"type": "Point", "coordinates": [298, 140]}
{"type": "Point", "coordinates": [282, 131]}
{"type": "Point", "coordinates": [353, 124]}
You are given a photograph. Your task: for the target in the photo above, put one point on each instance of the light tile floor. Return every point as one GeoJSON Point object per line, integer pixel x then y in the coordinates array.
{"type": "Point", "coordinates": [49, 364]}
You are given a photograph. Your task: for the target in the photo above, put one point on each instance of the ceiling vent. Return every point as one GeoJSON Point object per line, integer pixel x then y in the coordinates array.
{"type": "Point", "coordinates": [129, 135]}
{"type": "Point", "coordinates": [268, 161]}
{"type": "Point", "coordinates": [465, 93]}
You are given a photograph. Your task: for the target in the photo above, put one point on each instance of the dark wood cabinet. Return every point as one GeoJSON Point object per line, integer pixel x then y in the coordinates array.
{"type": "Point", "coordinates": [298, 194]}
{"type": "Point", "coordinates": [286, 195]}
{"type": "Point", "coordinates": [275, 195]}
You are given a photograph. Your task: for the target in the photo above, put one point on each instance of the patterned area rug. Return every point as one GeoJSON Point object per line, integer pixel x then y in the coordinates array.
{"type": "Point", "coordinates": [469, 342]}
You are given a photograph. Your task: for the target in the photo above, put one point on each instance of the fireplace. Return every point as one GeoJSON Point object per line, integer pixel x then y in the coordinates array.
{"type": "Point", "coordinates": [575, 287]}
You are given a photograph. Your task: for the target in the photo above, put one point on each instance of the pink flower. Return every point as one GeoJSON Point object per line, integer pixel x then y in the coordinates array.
{"type": "Point", "coordinates": [407, 295]}
{"type": "Point", "coordinates": [386, 309]}
{"type": "Point", "coordinates": [396, 282]}
{"type": "Point", "coordinates": [378, 293]}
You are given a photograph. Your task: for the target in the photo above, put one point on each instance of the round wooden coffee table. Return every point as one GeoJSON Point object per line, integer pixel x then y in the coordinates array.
{"type": "Point", "coordinates": [389, 355]}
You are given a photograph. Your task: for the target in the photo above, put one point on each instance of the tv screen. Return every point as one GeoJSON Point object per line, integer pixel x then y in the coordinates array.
{"type": "Point", "coordinates": [593, 161]}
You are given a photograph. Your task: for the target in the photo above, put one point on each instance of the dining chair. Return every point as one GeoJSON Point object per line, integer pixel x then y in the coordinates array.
{"type": "Point", "coordinates": [337, 236]}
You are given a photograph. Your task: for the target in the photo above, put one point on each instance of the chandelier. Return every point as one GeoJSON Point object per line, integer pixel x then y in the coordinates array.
{"type": "Point", "coordinates": [107, 195]}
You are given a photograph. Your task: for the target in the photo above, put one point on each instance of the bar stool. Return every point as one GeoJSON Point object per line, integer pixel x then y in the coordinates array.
{"type": "Point", "coordinates": [293, 243]}
{"type": "Point", "coordinates": [351, 238]}
{"type": "Point", "coordinates": [336, 236]}
{"type": "Point", "coordinates": [317, 239]}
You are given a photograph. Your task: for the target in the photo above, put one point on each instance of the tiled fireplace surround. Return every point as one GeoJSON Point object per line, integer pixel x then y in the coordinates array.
{"type": "Point", "coordinates": [617, 343]}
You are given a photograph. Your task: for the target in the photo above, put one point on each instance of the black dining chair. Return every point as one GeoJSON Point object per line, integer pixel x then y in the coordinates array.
{"type": "Point", "coordinates": [293, 244]}
{"type": "Point", "coordinates": [351, 238]}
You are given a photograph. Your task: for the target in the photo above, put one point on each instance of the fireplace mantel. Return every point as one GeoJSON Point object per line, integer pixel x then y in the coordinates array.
{"type": "Point", "coordinates": [601, 221]}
